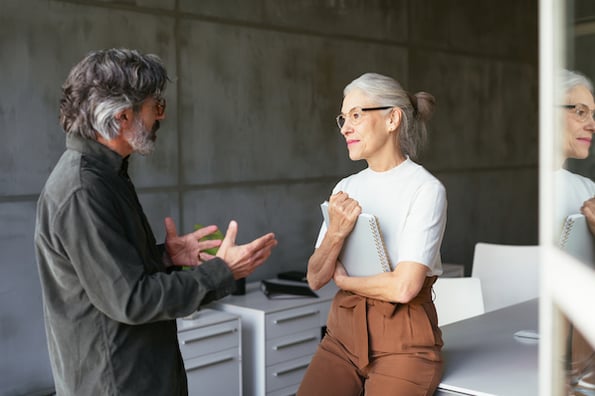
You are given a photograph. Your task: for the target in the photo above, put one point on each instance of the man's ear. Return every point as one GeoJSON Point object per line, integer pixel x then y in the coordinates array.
{"type": "Point", "coordinates": [124, 118]}
{"type": "Point", "coordinates": [394, 121]}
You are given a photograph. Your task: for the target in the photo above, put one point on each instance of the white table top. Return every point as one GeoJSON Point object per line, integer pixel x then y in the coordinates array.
{"type": "Point", "coordinates": [483, 357]}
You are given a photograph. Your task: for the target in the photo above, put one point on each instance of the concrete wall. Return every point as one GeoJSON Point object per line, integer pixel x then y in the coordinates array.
{"type": "Point", "coordinates": [250, 131]}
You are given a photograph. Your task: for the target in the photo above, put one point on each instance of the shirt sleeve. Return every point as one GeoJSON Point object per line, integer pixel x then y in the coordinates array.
{"type": "Point", "coordinates": [424, 226]}
{"type": "Point", "coordinates": [123, 278]}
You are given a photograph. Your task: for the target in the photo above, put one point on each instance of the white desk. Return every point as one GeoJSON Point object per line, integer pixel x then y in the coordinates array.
{"type": "Point", "coordinates": [482, 356]}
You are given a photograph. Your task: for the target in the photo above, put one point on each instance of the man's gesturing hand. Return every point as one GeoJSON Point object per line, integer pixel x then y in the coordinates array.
{"type": "Point", "coordinates": [244, 259]}
{"type": "Point", "coordinates": [188, 249]}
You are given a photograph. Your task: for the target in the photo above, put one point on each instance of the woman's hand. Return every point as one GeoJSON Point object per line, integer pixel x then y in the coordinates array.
{"type": "Point", "coordinates": [343, 212]}
{"type": "Point", "coordinates": [588, 210]}
{"type": "Point", "coordinates": [340, 274]}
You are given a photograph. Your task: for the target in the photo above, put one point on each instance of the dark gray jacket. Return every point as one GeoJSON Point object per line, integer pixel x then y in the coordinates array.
{"type": "Point", "coordinates": [109, 304]}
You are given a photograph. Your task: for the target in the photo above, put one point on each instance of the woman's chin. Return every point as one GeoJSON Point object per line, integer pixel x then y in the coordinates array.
{"type": "Point", "coordinates": [580, 155]}
{"type": "Point", "coordinates": [354, 156]}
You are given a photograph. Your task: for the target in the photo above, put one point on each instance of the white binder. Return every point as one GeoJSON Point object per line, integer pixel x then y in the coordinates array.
{"type": "Point", "coordinates": [364, 252]}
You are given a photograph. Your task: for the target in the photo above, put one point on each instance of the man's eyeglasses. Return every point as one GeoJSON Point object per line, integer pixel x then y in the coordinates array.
{"type": "Point", "coordinates": [160, 104]}
{"type": "Point", "coordinates": [356, 114]}
{"type": "Point", "coordinates": [581, 111]}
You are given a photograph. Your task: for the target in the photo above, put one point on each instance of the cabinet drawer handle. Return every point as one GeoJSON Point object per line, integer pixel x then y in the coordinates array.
{"type": "Point", "coordinates": [211, 363]}
{"type": "Point", "coordinates": [291, 369]}
{"type": "Point", "coordinates": [299, 316]}
{"type": "Point", "coordinates": [295, 342]}
{"type": "Point", "coordinates": [204, 337]}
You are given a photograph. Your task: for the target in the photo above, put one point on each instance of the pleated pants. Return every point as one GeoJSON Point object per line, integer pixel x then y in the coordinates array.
{"type": "Point", "coordinates": [377, 348]}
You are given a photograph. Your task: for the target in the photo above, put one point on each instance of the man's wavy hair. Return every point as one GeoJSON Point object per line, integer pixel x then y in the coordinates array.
{"type": "Point", "coordinates": [103, 84]}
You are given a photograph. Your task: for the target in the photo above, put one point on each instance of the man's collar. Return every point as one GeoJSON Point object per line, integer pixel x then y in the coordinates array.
{"type": "Point", "coordinates": [95, 149]}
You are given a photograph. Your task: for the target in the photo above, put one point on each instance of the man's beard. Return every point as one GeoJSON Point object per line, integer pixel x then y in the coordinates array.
{"type": "Point", "coordinates": [141, 139]}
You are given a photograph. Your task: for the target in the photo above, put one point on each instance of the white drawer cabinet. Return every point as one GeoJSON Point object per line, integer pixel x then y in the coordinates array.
{"type": "Point", "coordinates": [279, 337]}
{"type": "Point", "coordinates": [292, 346]}
{"type": "Point", "coordinates": [210, 344]}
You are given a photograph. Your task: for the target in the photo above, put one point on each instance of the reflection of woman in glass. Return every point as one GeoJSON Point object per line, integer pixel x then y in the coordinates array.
{"type": "Point", "coordinates": [576, 194]}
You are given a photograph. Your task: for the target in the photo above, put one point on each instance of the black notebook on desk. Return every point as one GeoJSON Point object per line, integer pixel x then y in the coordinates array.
{"type": "Point", "coordinates": [296, 276]}
{"type": "Point", "coordinates": [577, 240]}
{"type": "Point", "coordinates": [364, 252]}
{"type": "Point", "coordinates": [280, 290]}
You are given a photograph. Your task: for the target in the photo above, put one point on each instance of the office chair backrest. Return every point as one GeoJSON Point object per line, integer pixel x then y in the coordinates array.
{"type": "Point", "coordinates": [509, 274]}
{"type": "Point", "coordinates": [457, 299]}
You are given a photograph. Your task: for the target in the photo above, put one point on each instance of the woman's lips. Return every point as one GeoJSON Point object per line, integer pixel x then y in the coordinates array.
{"type": "Point", "coordinates": [351, 141]}
{"type": "Point", "coordinates": [585, 140]}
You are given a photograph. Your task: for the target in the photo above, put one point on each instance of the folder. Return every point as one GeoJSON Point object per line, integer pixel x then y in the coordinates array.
{"type": "Point", "coordinates": [577, 240]}
{"type": "Point", "coordinates": [280, 290]}
{"type": "Point", "coordinates": [364, 252]}
{"type": "Point", "coordinates": [296, 276]}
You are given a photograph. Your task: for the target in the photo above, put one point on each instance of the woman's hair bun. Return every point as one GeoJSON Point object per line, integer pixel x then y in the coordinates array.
{"type": "Point", "coordinates": [424, 104]}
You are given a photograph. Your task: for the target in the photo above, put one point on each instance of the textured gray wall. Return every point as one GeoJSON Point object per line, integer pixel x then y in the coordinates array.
{"type": "Point", "coordinates": [250, 131]}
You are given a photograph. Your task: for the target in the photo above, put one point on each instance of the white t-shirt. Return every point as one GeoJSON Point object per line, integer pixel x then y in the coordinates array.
{"type": "Point", "coordinates": [410, 204]}
{"type": "Point", "coordinates": [572, 191]}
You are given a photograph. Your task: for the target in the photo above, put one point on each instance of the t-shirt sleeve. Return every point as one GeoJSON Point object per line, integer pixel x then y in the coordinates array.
{"type": "Point", "coordinates": [424, 226]}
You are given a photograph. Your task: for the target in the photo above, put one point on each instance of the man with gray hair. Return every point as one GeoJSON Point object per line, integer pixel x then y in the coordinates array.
{"type": "Point", "coordinates": [111, 294]}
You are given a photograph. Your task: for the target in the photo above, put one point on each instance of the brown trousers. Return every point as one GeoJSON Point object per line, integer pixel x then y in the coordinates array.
{"type": "Point", "coordinates": [377, 348]}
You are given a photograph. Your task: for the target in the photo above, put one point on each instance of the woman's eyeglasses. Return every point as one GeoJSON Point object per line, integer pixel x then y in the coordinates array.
{"type": "Point", "coordinates": [355, 115]}
{"type": "Point", "coordinates": [581, 111]}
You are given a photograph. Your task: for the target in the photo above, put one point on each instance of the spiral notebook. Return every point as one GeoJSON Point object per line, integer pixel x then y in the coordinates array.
{"type": "Point", "coordinates": [364, 252]}
{"type": "Point", "coordinates": [577, 240]}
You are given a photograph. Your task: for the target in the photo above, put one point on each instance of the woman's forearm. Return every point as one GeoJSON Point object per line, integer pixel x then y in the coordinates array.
{"type": "Point", "coordinates": [400, 285]}
{"type": "Point", "coordinates": [322, 263]}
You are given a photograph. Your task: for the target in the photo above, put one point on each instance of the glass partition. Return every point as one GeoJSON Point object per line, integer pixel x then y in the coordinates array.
{"type": "Point", "coordinates": [574, 162]}
{"type": "Point", "coordinates": [567, 167]}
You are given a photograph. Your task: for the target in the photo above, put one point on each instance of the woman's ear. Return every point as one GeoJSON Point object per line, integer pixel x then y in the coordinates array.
{"type": "Point", "coordinates": [394, 121]}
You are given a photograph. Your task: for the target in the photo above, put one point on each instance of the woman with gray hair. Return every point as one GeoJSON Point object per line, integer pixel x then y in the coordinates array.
{"type": "Point", "coordinates": [382, 331]}
{"type": "Point", "coordinates": [576, 191]}
{"type": "Point", "coordinates": [576, 195]}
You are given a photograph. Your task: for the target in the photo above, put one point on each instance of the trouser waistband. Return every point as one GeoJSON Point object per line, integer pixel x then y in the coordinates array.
{"type": "Point", "coordinates": [360, 305]}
